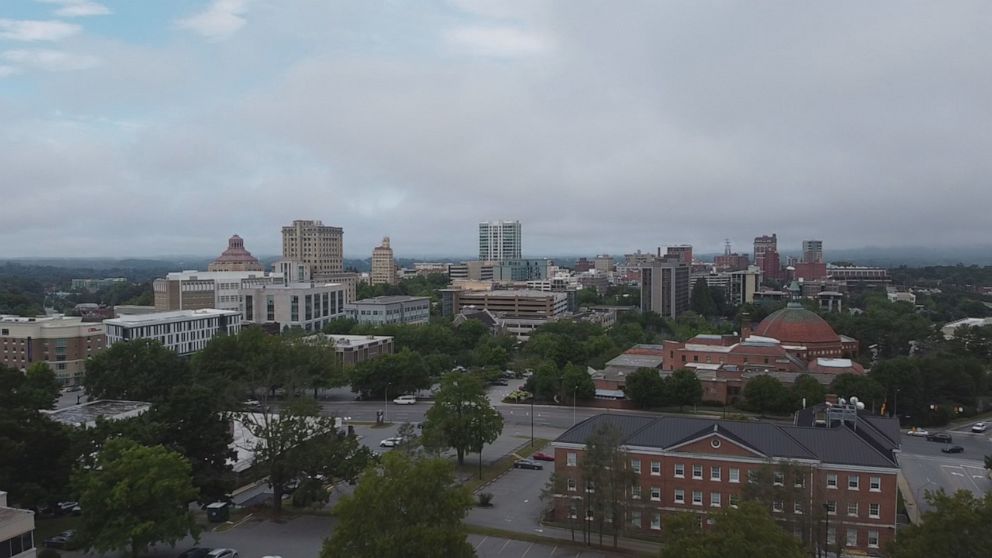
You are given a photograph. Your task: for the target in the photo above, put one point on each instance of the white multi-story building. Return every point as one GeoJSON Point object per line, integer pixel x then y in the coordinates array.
{"type": "Point", "coordinates": [16, 531]}
{"type": "Point", "coordinates": [307, 306]}
{"type": "Point", "coordinates": [499, 241]}
{"type": "Point", "coordinates": [183, 331]}
{"type": "Point", "coordinates": [194, 290]}
{"type": "Point", "coordinates": [63, 343]}
{"type": "Point", "coordinates": [382, 310]}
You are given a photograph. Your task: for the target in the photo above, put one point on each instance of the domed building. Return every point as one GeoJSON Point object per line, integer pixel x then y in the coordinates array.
{"type": "Point", "coordinates": [235, 258]}
{"type": "Point", "coordinates": [798, 328]}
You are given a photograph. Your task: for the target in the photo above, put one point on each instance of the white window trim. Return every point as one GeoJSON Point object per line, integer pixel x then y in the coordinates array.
{"type": "Point", "coordinates": [694, 476]}
{"type": "Point", "coordinates": [676, 469]}
{"type": "Point", "coordinates": [694, 502]}
{"type": "Point", "coordinates": [679, 496]}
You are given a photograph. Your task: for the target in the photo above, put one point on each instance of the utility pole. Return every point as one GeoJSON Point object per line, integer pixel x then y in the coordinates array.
{"type": "Point", "coordinates": [385, 405]}
{"type": "Point", "coordinates": [532, 420]}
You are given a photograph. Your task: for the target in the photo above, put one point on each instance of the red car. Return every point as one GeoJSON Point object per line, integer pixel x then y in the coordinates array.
{"type": "Point", "coordinates": [541, 456]}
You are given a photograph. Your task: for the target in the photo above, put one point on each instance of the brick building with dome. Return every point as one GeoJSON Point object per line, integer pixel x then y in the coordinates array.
{"type": "Point", "coordinates": [235, 258]}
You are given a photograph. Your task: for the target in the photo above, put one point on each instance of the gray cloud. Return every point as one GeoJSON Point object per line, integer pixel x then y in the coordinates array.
{"type": "Point", "coordinates": [601, 129]}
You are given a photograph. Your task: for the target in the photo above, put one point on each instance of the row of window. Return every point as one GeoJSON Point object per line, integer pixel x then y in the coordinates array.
{"type": "Point", "coordinates": [734, 474]}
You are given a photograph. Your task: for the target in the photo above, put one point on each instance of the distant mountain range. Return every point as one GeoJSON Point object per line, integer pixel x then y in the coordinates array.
{"type": "Point", "coordinates": [885, 257]}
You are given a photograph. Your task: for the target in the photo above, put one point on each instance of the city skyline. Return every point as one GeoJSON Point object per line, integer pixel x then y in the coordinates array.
{"type": "Point", "coordinates": [165, 127]}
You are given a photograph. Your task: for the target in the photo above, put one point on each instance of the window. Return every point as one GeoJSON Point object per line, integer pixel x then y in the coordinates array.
{"type": "Point", "coordinates": [635, 519]}
{"type": "Point", "coordinates": [875, 484]}
{"type": "Point", "coordinates": [570, 459]}
{"type": "Point", "coordinates": [656, 521]}
{"type": "Point", "coordinates": [589, 515]}
{"type": "Point", "coordinates": [697, 497]}
{"type": "Point", "coordinates": [714, 499]}
{"type": "Point", "coordinates": [679, 496]}
{"type": "Point", "coordinates": [852, 482]}
{"type": "Point", "coordinates": [635, 492]}
{"type": "Point", "coordinates": [778, 506]}
{"type": "Point", "coordinates": [831, 481]}
{"type": "Point", "coordinates": [752, 476]}
{"type": "Point", "coordinates": [797, 508]}
{"type": "Point", "coordinates": [656, 468]}
{"type": "Point", "coordinates": [735, 475]}
{"type": "Point", "coordinates": [852, 537]}
{"type": "Point", "coordinates": [571, 485]}
{"type": "Point", "coordinates": [799, 482]}
{"type": "Point", "coordinates": [655, 494]}
{"type": "Point", "coordinates": [779, 478]}
{"type": "Point", "coordinates": [697, 472]}
{"type": "Point", "coordinates": [635, 465]}
{"type": "Point", "coordinates": [590, 486]}
{"type": "Point", "coordinates": [874, 511]}
{"type": "Point", "coordinates": [852, 509]}
{"type": "Point", "coordinates": [679, 471]}
{"type": "Point", "coordinates": [831, 507]}
{"type": "Point", "coordinates": [571, 512]}
{"type": "Point", "coordinates": [872, 538]}
{"type": "Point", "coordinates": [715, 473]}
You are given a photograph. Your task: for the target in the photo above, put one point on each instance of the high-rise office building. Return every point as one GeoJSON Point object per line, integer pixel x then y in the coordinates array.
{"type": "Point", "coordinates": [766, 256]}
{"type": "Point", "coordinates": [316, 245]}
{"type": "Point", "coordinates": [383, 264]}
{"type": "Point", "coordinates": [665, 287]}
{"type": "Point", "coordinates": [812, 251]}
{"type": "Point", "coordinates": [499, 241]}
{"type": "Point", "coordinates": [683, 252]}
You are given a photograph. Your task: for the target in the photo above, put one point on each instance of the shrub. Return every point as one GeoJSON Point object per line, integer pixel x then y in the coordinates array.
{"type": "Point", "coordinates": [485, 499]}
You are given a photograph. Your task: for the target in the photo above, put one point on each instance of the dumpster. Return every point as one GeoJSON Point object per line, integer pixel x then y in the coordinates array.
{"type": "Point", "coordinates": [218, 512]}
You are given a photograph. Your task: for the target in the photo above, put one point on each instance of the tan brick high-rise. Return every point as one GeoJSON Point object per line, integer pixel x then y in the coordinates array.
{"type": "Point", "coordinates": [315, 244]}
{"type": "Point", "coordinates": [383, 264]}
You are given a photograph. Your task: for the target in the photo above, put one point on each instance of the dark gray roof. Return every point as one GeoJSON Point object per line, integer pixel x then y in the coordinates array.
{"type": "Point", "coordinates": [839, 445]}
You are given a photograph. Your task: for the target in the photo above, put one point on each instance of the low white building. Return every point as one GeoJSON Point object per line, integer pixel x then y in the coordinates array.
{"type": "Point", "coordinates": [183, 331]}
{"type": "Point", "coordinates": [195, 290]}
{"type": "Point", "coordinates": [308, 306]}
{"type": "Point", "coordinates": [383, 310]}
{"type": "Point", "coordinates": [950, 330]}
{"type": "Point", "coordinates": [16, 531]}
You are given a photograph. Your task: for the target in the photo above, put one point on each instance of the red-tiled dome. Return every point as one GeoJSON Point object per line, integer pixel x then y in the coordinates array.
{"type": "Point", "coordinates": [795, 324]}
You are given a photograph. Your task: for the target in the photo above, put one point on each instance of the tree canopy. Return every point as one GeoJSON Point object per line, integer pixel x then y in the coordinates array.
{"type": "Point", "coordinates": [406, 508]}
{"type": "Point", "coordinates": [140, 370]}
{"type": "Point", "coordinates": [746, 532]}
{"type": "Point", "coordinates": [956, 525]}
{"type": "Point", "coordinates": [135, 496]}
{"type": "Point", "coordinates": [461, 417]}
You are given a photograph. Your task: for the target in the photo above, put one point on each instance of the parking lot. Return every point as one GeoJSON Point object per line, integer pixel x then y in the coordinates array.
{"type": "Point", "coordinates": [495, 547]}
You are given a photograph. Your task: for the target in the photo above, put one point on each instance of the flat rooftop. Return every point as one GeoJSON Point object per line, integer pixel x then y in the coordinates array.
{"type": "Point", "coordinates": [173, 316]}
{"type": "Point", "coordinates": [87, 413]}
{"type": "Point", "coordinates": [389, 299]}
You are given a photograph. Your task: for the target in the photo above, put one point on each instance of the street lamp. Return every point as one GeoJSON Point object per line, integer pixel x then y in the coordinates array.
{"type": "Point", "coordinates": [385, 405]}
{"type": "Point", "coordinates": [532, 420]}
{"type": "Point", "coordinates": [574, 392]}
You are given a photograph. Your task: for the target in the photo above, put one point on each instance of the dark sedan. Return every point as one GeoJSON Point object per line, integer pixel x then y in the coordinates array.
{"type": "Point", "coordinates": [942, 437]}
{"type": "Point", "coordinates": [952, 449]}
{"type": "Point", "coordinates": [64, 540]}
{"type": "Point", "coordinates": [527, 464]}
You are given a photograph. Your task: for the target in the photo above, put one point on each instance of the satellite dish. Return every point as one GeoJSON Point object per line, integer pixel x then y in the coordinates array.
{"type": "Point", "coordinates": [861, 406]}
{"type": "Point", "coordinates": [842, 401]}
{"type": "Point", "coordinates": [854, 400]}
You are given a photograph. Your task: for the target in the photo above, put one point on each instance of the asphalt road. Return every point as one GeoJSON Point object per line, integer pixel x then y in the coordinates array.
{"type": "Point", "coordinates": [926, 468]}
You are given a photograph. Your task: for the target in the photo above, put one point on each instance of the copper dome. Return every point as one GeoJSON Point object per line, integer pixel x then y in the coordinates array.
{"type": "Point", "coordinates": [795, 324]}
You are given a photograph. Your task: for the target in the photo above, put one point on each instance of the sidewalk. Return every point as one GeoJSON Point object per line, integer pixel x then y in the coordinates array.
{"type": "Point", "coordinates": [908, 499]}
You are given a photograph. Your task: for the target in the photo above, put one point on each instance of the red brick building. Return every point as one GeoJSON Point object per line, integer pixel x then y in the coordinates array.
{"type": "Point", "coordinates": [832, 475]}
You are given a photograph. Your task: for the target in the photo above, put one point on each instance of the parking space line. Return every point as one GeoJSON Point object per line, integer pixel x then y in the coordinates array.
{"type": "Point", "coordinates": [504, 546]}
{"type": "Point", "coordinates": [480, 542]}
{"type": "Point", "coordinates": [528, 550]}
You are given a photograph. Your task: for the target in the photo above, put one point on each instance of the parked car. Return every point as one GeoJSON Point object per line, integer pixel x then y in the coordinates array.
{"type": "Point", "coordinates": [391, 442]}
{"type": "Point", "coordinates": [500, 382]}
{"type": "Point", "coordinates": [64, 540]}
{"type": "Point", "coordinates": [541, 456]}
{"type": "Point", "coordinates": [405, 400]}
{"type": "Point", "coordinates": [196, 552]}
{"type": "Point", "coordinates": [527, 464]}
{"type": "Point", "coordinates": [942, 437]}
{"type": "Point", "coordinates": [223, 553]}
{"type": "Point", "coordinates": [979, 427]}
{"type": "Point", "coordinates": [918, 432]}
{"type": "Point", "coordinates": [952, 449]}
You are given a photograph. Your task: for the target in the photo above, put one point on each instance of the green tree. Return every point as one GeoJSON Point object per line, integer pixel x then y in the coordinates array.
{"type": "Point", "coordinates": [702, 299]}
{"type": "Point", "coordinates": [461, 417]}
{"type": "Point", "coordinates": [806, 388]}
{"type": "Point", "coordinates": [35, 451]}
{"type": "Point", "coordinates": [576, 384]}
{"type": "Point", "coordinates": [40, 389]}
{"type": "Point", "coordinates": [956, 525]}
{"type": "Point", "coordinates": [746, 532]}
{"type": "Point", "coordinates": [607, 472]}
{"type": "Point", "coordinates": [866, 388]}
{"type": "Point", "coordinates": [765, 394]}
{"type": "Point", "coordinates": [684, 388]}
{"type": "Point", "coordinates": [135, 496]}
{"type": "Point", "coordinates": [403, 372]}
{"type": "Point", "coordinates": [407, 508]}
{"type": "Point", "coordinates": [646, 388]}
{"type": "Point", "coordinates": [141, 370]}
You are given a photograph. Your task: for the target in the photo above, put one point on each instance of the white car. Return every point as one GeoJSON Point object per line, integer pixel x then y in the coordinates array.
{"type": "Point", "coordinates": [917, 432]}
{"type": "Point", "coordinates": [979, 427]}
{"type": "Point", "coordinates": [223, 553]}
{"type": "Point", "coordinates": [405, 400]}
{"type": "Point", "coordinates": [391, 442]}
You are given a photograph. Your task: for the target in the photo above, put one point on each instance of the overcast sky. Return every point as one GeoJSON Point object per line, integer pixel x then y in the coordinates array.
{"type": "Point", "coordinates": [156, 127]}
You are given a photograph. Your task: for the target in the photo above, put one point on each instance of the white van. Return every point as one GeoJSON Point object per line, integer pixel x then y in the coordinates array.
{"type": "Point", "coordinates": [405, 400]}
